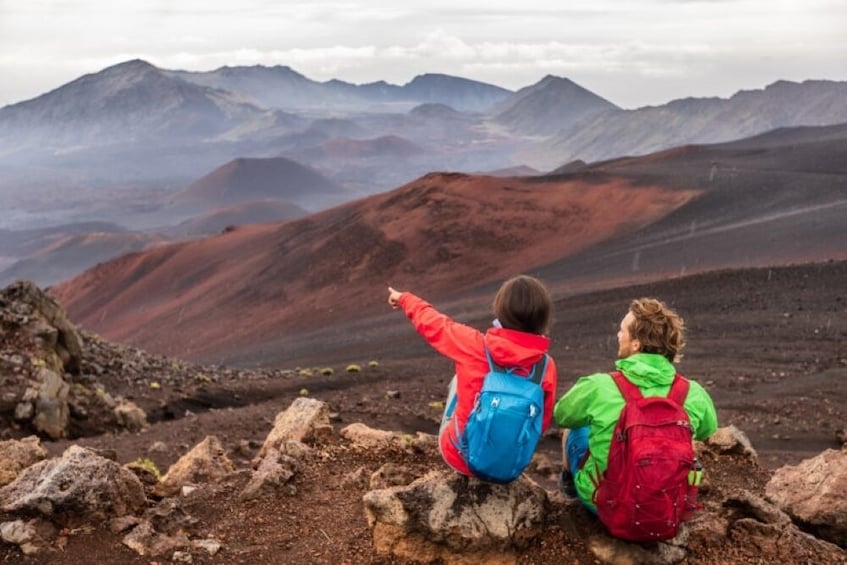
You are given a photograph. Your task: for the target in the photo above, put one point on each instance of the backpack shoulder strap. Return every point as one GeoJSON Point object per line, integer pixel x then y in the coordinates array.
{"type": "Point", "coordinates": [491, 364]}
{"type": "Point", "coordinates": [679, 389]}
{"type": "Point", "coordinates": [628, 390]}
{"type": "Point", "coordinates": [536, 373]}
{"type": "Point", "coordinates": [539, 369]}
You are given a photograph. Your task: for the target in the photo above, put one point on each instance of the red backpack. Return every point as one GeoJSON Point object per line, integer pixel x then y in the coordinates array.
{"type": "Point", "coordinates": [642, 494]}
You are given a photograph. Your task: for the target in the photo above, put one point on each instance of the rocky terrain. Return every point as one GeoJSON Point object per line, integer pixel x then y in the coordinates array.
{"type": "Point", "coordinates": [330, 459]}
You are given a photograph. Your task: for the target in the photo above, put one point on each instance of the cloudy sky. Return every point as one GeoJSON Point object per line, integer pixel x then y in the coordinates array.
{"type": "Point", "coordinates": [632, 52]}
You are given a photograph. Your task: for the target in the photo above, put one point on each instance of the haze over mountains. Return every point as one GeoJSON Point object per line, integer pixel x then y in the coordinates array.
{"type": "Point", "coordinates": [135, 125]}
{"type": "Point", "coordinates": [172, 154]}
{"type": "Point", "coordinates": [285, 88]}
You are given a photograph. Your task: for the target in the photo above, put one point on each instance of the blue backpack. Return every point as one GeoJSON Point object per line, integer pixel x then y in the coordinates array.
{"type": "Point", "coordinates": [504, 426]}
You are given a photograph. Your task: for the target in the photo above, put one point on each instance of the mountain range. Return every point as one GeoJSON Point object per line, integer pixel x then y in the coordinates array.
{"type": "Point", "coordinates": [282, 87]}
{"type": "Point", "coordinates": [135, 125]}
{"type": "Point", "coordinates": [699, 120]}
{"type": "Point", "coordinates": [159, 153]}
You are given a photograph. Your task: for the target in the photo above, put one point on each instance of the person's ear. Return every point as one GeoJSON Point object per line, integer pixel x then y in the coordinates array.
{"type": "Point", "coordinates": [635, 346]}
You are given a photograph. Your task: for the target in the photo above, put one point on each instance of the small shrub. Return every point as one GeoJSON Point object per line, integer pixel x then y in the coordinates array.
{"type": "Point", "coordinates": [304, 392]}
{"type": "Point", "coordinates": [437, 405]}
{"type": "Point", "coordinates": [327, 371]}
{"type": "Point", "coordinates": [155, 385]}
{"type": "Point", "coordinates": [373, 364]}
{"type": "Point", "coordinates": [149, 465]}
{"type": "Point", "coordinates": [305, 372]}
{"type": "Point", "coordinates": [203, 378]}
{"type": "Point", "coordinates": [353, 368]}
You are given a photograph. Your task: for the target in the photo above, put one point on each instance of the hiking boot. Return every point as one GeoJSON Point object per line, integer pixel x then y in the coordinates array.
{"type": "Point", "coordinates": [566, 485]}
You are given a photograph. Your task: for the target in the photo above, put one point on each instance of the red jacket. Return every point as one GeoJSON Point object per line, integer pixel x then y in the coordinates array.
{"type": "Point", "coordinates": [466, 347]}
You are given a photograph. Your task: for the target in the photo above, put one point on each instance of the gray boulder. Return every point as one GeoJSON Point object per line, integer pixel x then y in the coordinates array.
{"type": "Point", "coordinates": [51, 405]}
{"type": "Point", "coordinates": [305, 421]}
{"type": "Point", "coordinates": [274, 470]}
{"type": "Point", "coordinates": [145, 540]}
{"type": "Point", "coordinates": [78, 488]}
{"type": "Point", "coordinates": [814, 493]}
{"type": "Point", "coordinates": [448, 517]}
{"type": "Point", "coordinates": [365, 437]}
{"type": "Point", "coordinates": [43, 322]}
{"type": "Point", "coordinates": [731, 440]}
{"type": "Point", "coordinates": [17, 455]}
{"type": "Point", "coordinates": [206, 462]}
{"type": "Point", "coordinates": [130, 416]}
{"type": "Point", "coordinates": [770, 535]}
{"type": "Point", "coordinates": [27, 535]}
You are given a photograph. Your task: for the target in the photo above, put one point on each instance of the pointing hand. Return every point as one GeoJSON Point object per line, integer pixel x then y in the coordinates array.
{"type": "Point", "coordinates": [393, 298]}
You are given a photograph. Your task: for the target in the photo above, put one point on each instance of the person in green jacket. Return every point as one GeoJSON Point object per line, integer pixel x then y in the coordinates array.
{"type": "Point", "coordinates": [650, 340]}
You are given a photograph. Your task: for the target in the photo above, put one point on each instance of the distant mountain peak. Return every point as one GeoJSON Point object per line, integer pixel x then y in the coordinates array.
{"type": "Point", "coordinates": [430, 76]}
{"type": "Point", "coordinates": [460, 93]}
{"type": "Point", "coordinates": [122, 75]}
{"type": "Point", "coordinates": [131, 66]}
{"type": "Point", "coordinates": [432, 79]}
{"type": "Point", "coordinates": [133, 63]}
{"type": "Point", "coordinates": [130, 102]}
{"type": "Point", "coordinates": [250, 178]}
{"type": "Point", "coordinates": [561, 84]}
{"type": "Point", "coordinates": [336, 82]}
{"type": "Point", "coordinates": [554, 79]}
{"type": "Point", "coordinates": [781, 84]}
{"type": "Point", "coordinates": [551, 104]}
{"type": "Point", "coordinates": [227, 70]}
{"type": "Point", "coordinates": [434, 110]}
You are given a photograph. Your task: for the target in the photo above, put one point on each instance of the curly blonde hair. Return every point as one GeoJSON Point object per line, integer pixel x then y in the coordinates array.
{"type": "Point", "coordinates": [659, 329]}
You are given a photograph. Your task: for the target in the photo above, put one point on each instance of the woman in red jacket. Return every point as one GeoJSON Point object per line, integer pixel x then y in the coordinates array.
{"type": "Point", "coordinates": [523, 311]}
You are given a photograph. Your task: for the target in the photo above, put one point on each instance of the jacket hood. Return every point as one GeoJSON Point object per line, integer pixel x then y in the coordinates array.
{"type": "Point", "coordinates": [513, 348]}
{"type": "Point", "coordinates": [647, 369]}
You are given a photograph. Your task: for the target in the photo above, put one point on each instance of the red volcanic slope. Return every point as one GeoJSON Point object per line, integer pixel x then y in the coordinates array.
{"type": "Point", "coordinates": [442, 232]}
{"type": "Point", "coordinates": [774, 199]}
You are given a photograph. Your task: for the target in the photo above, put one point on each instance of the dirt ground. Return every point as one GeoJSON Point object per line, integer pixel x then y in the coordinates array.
{"type": "Point", "coordinates": [768, 344]}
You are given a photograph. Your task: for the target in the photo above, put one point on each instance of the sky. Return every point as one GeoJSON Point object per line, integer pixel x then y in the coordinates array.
{"type": "Point", "coordinates": [632, 52]}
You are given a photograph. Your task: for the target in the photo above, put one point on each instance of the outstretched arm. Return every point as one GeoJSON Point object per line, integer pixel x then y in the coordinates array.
{"type": "Point", "coordinates": [452, 339]}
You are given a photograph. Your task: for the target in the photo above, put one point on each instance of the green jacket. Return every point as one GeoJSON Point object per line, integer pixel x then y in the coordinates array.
{"type": "Point", "coordinates": [595, 401]}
